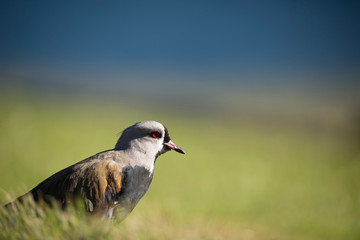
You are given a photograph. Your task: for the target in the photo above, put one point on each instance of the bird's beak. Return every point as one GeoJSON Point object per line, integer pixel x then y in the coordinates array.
{"type": "Point", "coordinates": [172, 146]}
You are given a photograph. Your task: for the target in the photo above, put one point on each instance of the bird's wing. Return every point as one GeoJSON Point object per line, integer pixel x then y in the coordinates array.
{"type": "Point", "coordinates": [101, 184]}
{"type": "Point", "coordinates": [98, 180]}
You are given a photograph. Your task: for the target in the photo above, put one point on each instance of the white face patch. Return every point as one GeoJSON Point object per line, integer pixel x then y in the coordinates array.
{"type": "Point", "coordinates": [141, 145]}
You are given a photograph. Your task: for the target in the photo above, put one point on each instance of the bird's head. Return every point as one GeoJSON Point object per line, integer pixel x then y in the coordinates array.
{"type": "Point", "coordinates": [147, 137]}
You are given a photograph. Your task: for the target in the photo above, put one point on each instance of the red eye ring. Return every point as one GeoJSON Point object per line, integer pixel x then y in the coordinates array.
{"type": "Point", "coordinates": [155, 134]}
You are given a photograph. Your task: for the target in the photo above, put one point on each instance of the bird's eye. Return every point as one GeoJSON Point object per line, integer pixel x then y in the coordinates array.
{"type": "Point", "coordinates": [155, 134]}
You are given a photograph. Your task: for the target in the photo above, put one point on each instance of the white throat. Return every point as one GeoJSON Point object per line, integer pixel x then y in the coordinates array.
{"type": "Point", "coordinates": [142, 154]}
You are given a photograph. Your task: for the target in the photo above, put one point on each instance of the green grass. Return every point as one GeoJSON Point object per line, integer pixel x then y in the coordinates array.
{"type": "Point", "coordinates": [238, 180]}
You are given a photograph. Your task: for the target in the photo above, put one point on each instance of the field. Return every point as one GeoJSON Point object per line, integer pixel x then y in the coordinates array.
{"type": "Point", "coordinates": [239, 179]}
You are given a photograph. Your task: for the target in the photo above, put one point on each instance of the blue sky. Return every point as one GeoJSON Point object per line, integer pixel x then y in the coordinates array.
{"type": "Point", "coordinates": [212, 37]}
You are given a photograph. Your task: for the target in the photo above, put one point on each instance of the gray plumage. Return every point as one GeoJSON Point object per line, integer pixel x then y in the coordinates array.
{"type": "Point", "coordinates": [114, 178]}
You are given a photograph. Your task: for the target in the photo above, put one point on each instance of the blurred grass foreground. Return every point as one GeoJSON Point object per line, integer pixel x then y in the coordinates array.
{"type": "Point", "coordinates": [242, 177]}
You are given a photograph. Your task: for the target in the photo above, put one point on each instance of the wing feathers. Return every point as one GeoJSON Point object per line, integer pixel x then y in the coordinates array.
{"type": "Point", "coordinates": [102, 184]}
{"type": "Point", "coordinates": [98, 180]}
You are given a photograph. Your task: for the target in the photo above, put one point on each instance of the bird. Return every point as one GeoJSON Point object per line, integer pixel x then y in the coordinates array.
{"type": "Point", "coordinates": [112, 180]}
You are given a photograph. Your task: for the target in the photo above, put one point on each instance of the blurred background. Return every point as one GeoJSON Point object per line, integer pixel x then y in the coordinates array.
{"type": "Point", "coordinates": [263, 96]}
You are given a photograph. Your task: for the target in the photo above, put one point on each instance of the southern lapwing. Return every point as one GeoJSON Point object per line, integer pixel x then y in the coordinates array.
{"type": "Point", "coordinates": [116, 178]}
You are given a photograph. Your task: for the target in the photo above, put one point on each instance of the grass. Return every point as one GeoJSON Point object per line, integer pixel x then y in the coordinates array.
{"type": "Point", "coordinates": [238, 180]}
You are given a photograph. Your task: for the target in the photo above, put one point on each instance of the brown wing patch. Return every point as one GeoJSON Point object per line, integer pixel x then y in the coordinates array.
{"type": "Point", "coordinates": [102, 183]}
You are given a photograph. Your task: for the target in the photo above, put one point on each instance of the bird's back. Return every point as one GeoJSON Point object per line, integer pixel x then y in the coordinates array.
{"type": "Point", "coordinates": [98, 180]}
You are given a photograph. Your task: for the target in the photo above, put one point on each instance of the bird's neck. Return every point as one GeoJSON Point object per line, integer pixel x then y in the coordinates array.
{"type": "Point", "coordinates": [140, 155]}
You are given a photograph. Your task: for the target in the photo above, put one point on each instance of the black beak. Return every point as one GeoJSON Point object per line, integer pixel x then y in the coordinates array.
{"type": "Point", "coordinates": [173, 146]}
